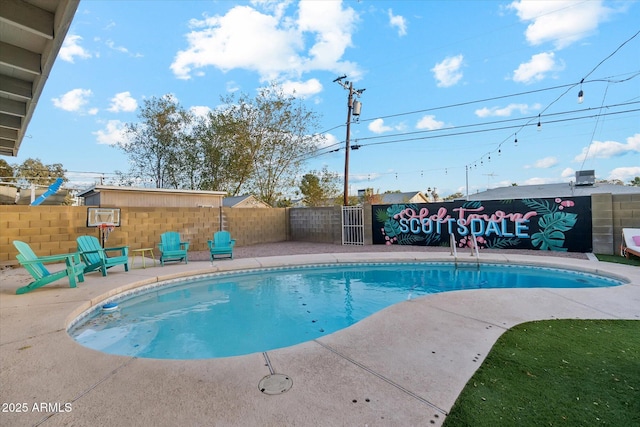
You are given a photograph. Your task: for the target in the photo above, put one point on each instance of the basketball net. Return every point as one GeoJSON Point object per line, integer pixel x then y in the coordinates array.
{"type": "Point", "coordinates": [105, 230]}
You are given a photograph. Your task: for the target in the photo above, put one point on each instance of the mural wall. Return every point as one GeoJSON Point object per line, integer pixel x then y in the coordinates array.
{"type": "Point", "coordinates": [545, 224]}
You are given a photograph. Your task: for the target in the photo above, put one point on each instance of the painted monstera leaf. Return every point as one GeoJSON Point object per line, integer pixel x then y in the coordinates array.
{"type": "Point", "coordinates": [394, 210]}
{"type": "Point", "coordinates": [561, 221]}
{"type": "Point", "coordinates": [549, 241]}
{"type": "Point", "coordinates": [552, 228]}
{"type": "Point", "coordinates": [391, 228]}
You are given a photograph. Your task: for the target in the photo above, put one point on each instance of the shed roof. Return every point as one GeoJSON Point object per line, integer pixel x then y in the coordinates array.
{"type": "Point", "coordinates": [98, 188]}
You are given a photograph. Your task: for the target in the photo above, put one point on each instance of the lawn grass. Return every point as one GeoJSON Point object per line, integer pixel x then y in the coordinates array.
{"type": "Point", "coordinates": [619, 259]}
{"type": "Point", "coordinates": [556, 373]}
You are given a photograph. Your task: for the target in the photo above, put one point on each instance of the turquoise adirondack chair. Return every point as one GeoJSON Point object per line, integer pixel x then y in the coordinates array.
{"type": "Point", "coordinates": [172, 248]}
{"type": "Point", "coordinates": [35, 266]}
{"type": "Point", "coordinates": [95, 256]}
{"type": "Point", "coordinates": [222, 244]}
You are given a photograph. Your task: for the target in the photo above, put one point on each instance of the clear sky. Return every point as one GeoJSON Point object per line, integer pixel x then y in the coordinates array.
{"type": "Point", "coordinates": [450, 85]}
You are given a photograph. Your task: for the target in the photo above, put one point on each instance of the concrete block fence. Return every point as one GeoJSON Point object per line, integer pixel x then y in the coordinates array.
{"type": "Point", "coordinates": [53, 230]}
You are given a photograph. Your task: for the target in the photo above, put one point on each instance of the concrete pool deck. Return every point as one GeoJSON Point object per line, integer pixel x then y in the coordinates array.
{"type": "Point", "coordinates": [404, 365]}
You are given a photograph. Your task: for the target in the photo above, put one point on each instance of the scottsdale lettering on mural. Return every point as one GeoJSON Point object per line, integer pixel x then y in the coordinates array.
{"type": "Point", "coordinates": [467, 220]}
{"type": "Point", "coordinates": [546, 224]}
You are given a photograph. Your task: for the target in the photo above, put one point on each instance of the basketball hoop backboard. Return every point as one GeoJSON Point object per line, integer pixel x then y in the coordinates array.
{"type": "Point", "coordinates": [99, 216]}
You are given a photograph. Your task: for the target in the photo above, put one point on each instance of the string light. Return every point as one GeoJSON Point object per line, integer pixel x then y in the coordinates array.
{"type": "Point", "coordinates": [581, 93]}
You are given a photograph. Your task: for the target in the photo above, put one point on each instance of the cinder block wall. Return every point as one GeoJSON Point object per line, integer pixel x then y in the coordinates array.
{"type": "Point", "coordinates": [51, 230]}
{"type": "Point", "coordinates": [626, 214]}
{"type": "Point", "coordinates": [321, 225]}
{"type": "Point", "coordinates": [48, 229]}
{"type": "Point", "coordinates": [610, 214]}
{"type": "Point", "coordinates": [602, 223]}
{"type": "Point", "coordinates": [251, 226]}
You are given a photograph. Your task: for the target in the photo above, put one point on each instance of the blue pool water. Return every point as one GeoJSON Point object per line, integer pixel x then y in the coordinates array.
{"type": "Point", "coordinates": [246, 312]}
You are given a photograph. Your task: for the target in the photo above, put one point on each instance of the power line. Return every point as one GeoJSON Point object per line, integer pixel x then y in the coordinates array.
{"type": "Point", "coordinates": [471, 164]}
{"type": "Point", "coordinates": [447, 132]}
{"type": "Point", "coordinates": [331, 148]}
{"type": "Point", "coordinates": [512, 95]}
{"type": "Point", "coordinates": [498, 128]}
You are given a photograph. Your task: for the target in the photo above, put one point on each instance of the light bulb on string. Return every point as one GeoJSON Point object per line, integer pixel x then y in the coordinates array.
{"type": "Point", "coordinates": [515, 141]}
{"type": "Point", "coordinates": [539, 124]}
{"type": "Point", "coordinates": [580, 93]}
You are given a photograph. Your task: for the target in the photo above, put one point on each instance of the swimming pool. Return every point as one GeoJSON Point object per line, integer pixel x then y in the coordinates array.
{"type": "Point", "coordinates": [230, 314]}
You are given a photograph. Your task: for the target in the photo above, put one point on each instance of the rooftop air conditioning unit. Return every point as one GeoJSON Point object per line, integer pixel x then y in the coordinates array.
{"type": "Point", "coordinates": [585, 177]}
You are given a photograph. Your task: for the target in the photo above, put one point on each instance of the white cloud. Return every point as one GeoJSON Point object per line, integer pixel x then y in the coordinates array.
{"type": "Point", "coordinates": [200, 110]}
{"type": "Point", "coordinates": [506, 111]}
{"type": "Point", "coordinates": [561, 22]}
{"type": "Point", "coordinates": [113, 46]}
{"type": "Point", "coordinates": [538, 181]}
{"type": "Point", "coordinates": [123, 101]}
{"type": "Point", "coordinates": [232, 86]}
{"type": "Point", "coordinates": [537, 68]}
{"type": "Point", "coordinates": [361, 177]}
{"type": "Point", "coordinates": [546, 163]}
{"type": "Point", "coordinates": [568, 173]}
{"type": "Point", "coordinates": [624, 174]}
{"type": "Point", "coordinates": [399, 22]}
{"type": "Point", "coordinates": [113, 133]}
{"type": "Point", "coordinates": [378, 126]}
{"type": "Point", "coordinates": [502, 183]}
{"type": "Point", "coordinates": [71, 49]}
{"type": "Point", "coordinates": [607, 149]}
{"type": "Point", "coordinates": [73, 100]}
{"type": "Point", "coordinates": [429, 122]}
{"type": "Point", "coordinates": [271, 44]}
{"type": "Point", "coordinates": [329, 141]}
{"type": "Point", "coordinates": [447, 72]}
{"type": "Point", "coordinates": [302, 89]}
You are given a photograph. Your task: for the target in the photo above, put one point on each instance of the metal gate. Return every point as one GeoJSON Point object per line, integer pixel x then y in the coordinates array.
{"type": "Point", "coordinates": [352, 225]}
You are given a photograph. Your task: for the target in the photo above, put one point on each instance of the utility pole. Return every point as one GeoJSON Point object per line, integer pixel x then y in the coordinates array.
{"type": "Point", "coordinates": [352, 106]}
{"type": "Point", "coordinates": [466, 170]}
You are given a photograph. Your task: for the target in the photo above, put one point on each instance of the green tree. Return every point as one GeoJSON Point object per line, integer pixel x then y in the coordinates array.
{"type": "Point", "coordinates": [635, 181]}
{"type": "Point", "coordinates": [454, 196]}
{"type": "Point", "coordinates": [319, 187]}
{"type": "Point", "coordinates": [6, 172]}
{"type": "Point", "coordinates": [271, 134]}
{"type": "Point", "coordinates": [227, 154]}
{"type": "Point", "coordinates": [34, 172]}
{"type": "Point", "coordinates": [156, 145]}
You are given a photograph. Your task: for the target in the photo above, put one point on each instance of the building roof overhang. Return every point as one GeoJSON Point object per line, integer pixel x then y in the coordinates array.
{"type": "Point", "coordinates": [31, 35]}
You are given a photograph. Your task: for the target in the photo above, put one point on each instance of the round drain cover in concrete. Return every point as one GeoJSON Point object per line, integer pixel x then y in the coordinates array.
{"type": "Point", "coordinates": [275, 384]}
